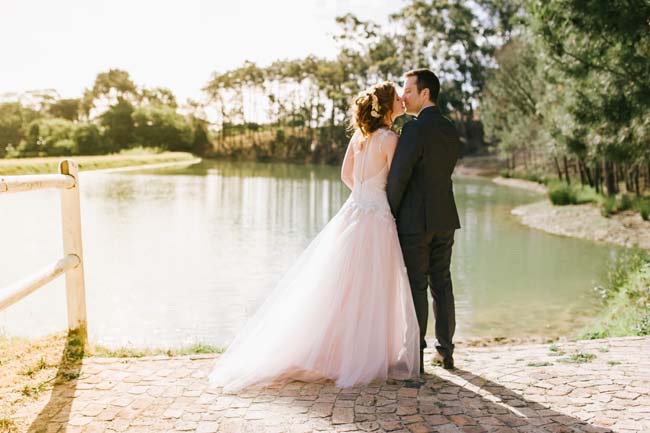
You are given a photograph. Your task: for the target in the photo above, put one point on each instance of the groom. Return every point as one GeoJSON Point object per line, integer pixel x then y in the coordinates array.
{"type": "Point", "coordinates": [422, 201]}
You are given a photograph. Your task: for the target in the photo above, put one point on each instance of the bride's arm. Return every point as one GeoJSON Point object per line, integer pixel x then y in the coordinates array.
{"type": "Point", "coordinates": [348, 164]}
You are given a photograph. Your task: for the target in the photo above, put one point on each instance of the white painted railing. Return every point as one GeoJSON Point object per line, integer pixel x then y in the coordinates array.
{"type": "Point", "coordinates": [72, 262]}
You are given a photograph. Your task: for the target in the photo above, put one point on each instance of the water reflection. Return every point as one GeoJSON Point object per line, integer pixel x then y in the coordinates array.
{"type": "Point", "coordinates": [179, 256]}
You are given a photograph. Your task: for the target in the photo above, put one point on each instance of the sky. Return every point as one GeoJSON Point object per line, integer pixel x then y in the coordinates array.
{"type": "Point", "coordinates": [64, 44]}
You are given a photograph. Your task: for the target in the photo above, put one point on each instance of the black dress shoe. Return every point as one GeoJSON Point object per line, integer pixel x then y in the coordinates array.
{"type": "Point", "coordinates": [417, 384]}
{"type": "Point", "coordinates": [446, 363]}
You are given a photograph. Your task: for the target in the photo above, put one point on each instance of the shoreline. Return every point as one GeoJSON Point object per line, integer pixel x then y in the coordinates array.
{"type": "Point", "coordinates": [95, 163]}
{"type": "Point", "coordinates": [151, 166]}
{"type": "Point", "coordinates": [521, 184]}
{"type": "Point", "coordinates": [583, 221]}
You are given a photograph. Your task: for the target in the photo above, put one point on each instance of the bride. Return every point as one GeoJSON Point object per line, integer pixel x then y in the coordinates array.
{"type": "Point", "coordinates": [344, 310]}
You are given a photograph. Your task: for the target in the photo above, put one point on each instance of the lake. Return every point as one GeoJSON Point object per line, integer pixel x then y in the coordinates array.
{"type": "Point", "coordinates": [185, 255]}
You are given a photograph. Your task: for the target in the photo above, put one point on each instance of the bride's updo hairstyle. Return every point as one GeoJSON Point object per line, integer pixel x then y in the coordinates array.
{"type": "Point", "coordinates": [370, 107]}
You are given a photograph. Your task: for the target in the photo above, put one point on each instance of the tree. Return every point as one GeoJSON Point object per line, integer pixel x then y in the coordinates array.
{"type": "Point", "coordinates": [110, 88]}
{"type": "Point", "coordinates": [162, 127]}
{"type": "Point", "coordinates": [601, 52]}
{"type": "Point", "coordinates": [49, 136]}
{"type": "Point", "coordinates": [117, 126]}
{"type": "Point", "coordinates": [453, 38]}
{"type": "Point", "coordinates": [65, 108]}
{"type": "Point", "coordinates": [510, 104]}
{"type": "Point", "coordinates": [11, 126]}
{"type": "Point", "coordinates": [158, 96]}
{"type": "Point", "coordinates": [89, 140]}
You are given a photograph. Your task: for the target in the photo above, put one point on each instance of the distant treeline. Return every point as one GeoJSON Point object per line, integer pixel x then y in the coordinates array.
{"type": "Point", "coordinates": [129, 117]}
{"type": "Point", "coordinates": [557, 87]}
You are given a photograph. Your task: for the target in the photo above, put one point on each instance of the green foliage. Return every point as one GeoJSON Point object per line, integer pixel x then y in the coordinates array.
{"type": "Point", "coordinates": [600, 48]}
{"type": "Point", "coordinates": [595, 335]}
{"type": "Point", "coordinates": [14, 121]}
{"type": "Point", "coordinates": [49, 137]}
{"type": "Point", "coordinates": [643, 205]}
{"type": "Point", "coordinates": [627, 264]}
{"type": "Point", "coordinates": [126, 352]}
{"type": "Point", "coordinates": [11, 124]}
{"type": "Point", "coordinates": [627, 298]}
{"type": "Point", "coordinates": [627, 202]}
{"type": "Point", "coordinates": [118, 125]}
{"type": "Point", "coordinates": [114, 80]}
{"type": "Point", "coordinates": [609, 206]}
{"type": "Point", "coordinates": [89, 140]}
{"type": "Point", "coordinates": [64, 147]}
{"type": "Point", "coordinates": [509, 104]}
{"type": "Point", "coordinates": [532, 176]}
{"type": "Point", "coordinates": [567, 85]}
{"type": "Point", "coordinates": [539, 364]}
{"type": "Point", "coordinates": [159, 96]}
{"type": "Point", "coordinates": [65, 108]}
{"type": "Point", "coordinates": [201, 143]}
{"type": "Point", "coordinates": [562, 194]}
{"type": "Point", "coordinates": [613, 204]}
{"type": "Point", "coordinates": [162, 127]}
{"type": "Point", "coordinates": [141, 150]}
{"type": "Point", "coordinates": [586, 194]}
{"type": "Point", "coordinates": [579, 358]}
{"type": "Point", "coordinates": [643, 328]}
{"type": "Point", "coordinates": [506, 172]}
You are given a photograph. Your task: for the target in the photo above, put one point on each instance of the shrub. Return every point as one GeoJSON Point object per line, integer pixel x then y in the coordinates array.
{"type": "Point", "coordinates": [627, 202]}
{"type": "Point", "coordinates": [64, 147]}
{"type": "Point", "coordinates": [643, 327]}
{"type": "Point", "coordinates": [89, 140]}
{"type": "Point", "coordinates": [562, 194]}
{"type": "Point", "coordinates": [643, 206]}
{"type": "Point", "coordinates": [535, 177]}
{"type": "Point", "coordinates": [48, 137]}
{"type": "Point", "coordinates": [609, 207]}
{"type": "Point", "coordinates": [161, 127]}
{"type": "Point", "coordinates": [587, 194]}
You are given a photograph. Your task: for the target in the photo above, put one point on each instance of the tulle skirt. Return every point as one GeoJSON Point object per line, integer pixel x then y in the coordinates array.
{"type": "Point", "coordinates": [343, 312]}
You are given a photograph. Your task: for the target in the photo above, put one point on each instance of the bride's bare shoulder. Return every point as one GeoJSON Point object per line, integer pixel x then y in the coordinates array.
{"type": "Point", "coordinates": [390, 135]}
{"type": "Point", "coordinates": [388, 140]}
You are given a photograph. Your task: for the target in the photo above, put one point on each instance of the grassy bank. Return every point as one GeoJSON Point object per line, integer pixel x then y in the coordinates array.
{"type": "Point", "coordinates": [626, 296]}
{"type": "Point", "coordinates": [20, 166]}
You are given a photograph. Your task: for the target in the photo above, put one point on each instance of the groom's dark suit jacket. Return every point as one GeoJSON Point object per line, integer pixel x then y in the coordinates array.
{"type": "Point", "coordinates": [419, 183]}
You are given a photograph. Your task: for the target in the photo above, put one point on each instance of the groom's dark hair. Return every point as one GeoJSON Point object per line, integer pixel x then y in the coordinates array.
{"type": "Point", "coordinates": [426, 79]}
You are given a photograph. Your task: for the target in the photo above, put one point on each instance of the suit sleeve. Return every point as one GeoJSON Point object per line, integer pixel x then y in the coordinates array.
{"type": "Point", "coordinates": [407, 154]}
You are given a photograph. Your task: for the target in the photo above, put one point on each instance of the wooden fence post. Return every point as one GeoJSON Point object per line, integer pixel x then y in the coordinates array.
{"type": "Point", "coordinates": [74, 279]}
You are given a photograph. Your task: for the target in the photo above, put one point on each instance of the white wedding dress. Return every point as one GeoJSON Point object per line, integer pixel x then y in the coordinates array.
{"type": "Point", "coordinates": [344, 310]}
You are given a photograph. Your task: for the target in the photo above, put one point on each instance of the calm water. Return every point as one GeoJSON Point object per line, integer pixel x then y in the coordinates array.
{"type": "Point", "coordinates": [185, 255]}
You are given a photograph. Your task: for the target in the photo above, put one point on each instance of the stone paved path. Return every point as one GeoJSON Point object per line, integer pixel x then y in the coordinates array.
{"type": "Point", "coordinates": [506, 389]}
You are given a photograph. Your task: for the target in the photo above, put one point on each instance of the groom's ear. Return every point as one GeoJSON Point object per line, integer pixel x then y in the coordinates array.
{"type": "Point", "coordinates": [428, 93]}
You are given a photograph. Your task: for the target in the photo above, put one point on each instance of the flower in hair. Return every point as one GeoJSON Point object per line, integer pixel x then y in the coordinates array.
{"type": "Point", "coordinates": [375, 106]}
